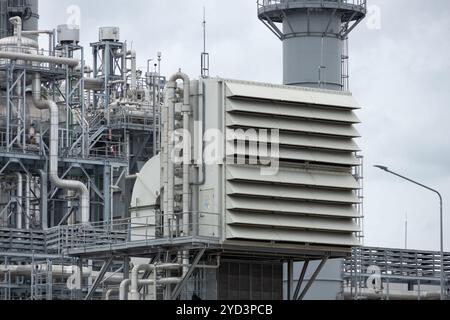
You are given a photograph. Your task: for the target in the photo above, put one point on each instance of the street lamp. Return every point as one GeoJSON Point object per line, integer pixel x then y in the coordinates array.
{"type": "Point", "coordinates": [442, 222]}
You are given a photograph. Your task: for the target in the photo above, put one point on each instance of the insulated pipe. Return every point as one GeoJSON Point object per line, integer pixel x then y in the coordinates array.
{"type": "Point", "coordinates": [54, 137]}
{"type": "Point", "coordinates": [109, 293]}
{"type": "Point", "coordinates": [394, 295]}
{"type": "Point", "coordinates": [38, 58]}
{"type": "Point", "coordinates": [27, 202]}
{"type": "Point", "coordinates": [44, 196]}
{"type": "Point", "coordinates": [186, 155]}
{"type": "Point", "coordinates": [133, 70]}
{"type": "Point", "coordinates": [135, 280]}
{"type": "Point", "coordinates": [17, 22]}
{"type": "Point", "coordinates": [170, 110]}
{"type": "Point", "coordinates": [93, 84]}
{"type": "Point", "coordinates": [19, 195]}
{"type": "Point", "coordinates": [135, 295]}
{"type": "Point", "coordinates": [124, 288]}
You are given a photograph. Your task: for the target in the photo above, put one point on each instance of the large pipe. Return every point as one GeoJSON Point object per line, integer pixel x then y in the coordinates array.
{"type": "Point", "coordinates": [19, 195]}
{"type": "Point", "coordinates": [124, 289]}
{"type": "Point", "coordinates": [59, 270]}
{"type": "Point", "coordinates": [135, 295]}
{"type": "Point", "coordinates": [186, 155]}
{"type": "Point", "coordinates": [393, 295]}
{"type": "Point", "coordinates": [109, 293]}
{"type": "Point", "coordinates": [54, 137]}
{"type": "Point", "coordinates": [135, 279]}
{"type": "Point", "coordinates": [95, 84]}
{"type": "Point", "coordinates": [44, 196]}
{"type": "Point", "coordinates": [168, 96]}
{"type": "Point", "coordinates": [27, 201]}
{"type": "Point", "coordinates": [17, 22]}
{"type": "Point", "coordinates": [133, 70]}
{"type": "Point", "coordinates": [38, 58]}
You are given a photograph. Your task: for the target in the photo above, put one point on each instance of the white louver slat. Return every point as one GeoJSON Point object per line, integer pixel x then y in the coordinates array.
{"type": "Point", "coordinates": [291, 192]}
{"type": "Point", "coordinates": [291, 94]}
{"type": "Point", "coordinates": [298, 177]}
{"type": "Point", "coordinates": [293, 125]}
{"type": "Point", "coordinates": [292, 111]}
{"type": "Point", "coordinates": [291, 222]}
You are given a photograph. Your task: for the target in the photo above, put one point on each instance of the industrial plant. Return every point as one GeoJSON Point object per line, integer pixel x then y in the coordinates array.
{"type": "Point", "coordinates": [124, 184]}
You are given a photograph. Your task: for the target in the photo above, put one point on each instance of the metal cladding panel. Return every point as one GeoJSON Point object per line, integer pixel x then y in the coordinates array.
{"type": "Point", "coordinates": [291, 222]}
{"type": "Point", "coordinates": [291, 124]}
{"type": "Point", "coordinates": [291, 192]}
{"type": "Point", "coordinates": [291, 236]}
{"type": "Point", "coordinates": [253, 204]}
{"type": "Point", "coordinates": [292, 110]}
{"type": "Point", "coordinates": [290, 176]}
{"type": "Point", "coordinates": [271, 92]}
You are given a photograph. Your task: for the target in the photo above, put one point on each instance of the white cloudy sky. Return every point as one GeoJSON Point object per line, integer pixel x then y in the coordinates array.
{"type": "Point", "coordinates": [400, 74]}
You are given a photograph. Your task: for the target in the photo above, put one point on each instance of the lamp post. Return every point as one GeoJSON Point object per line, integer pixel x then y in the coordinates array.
{"type": "Point", "coordinates": [441, 217]}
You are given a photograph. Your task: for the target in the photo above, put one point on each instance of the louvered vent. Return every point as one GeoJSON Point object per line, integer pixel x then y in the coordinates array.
{"type": "Point", "coordinates": [312, 199]}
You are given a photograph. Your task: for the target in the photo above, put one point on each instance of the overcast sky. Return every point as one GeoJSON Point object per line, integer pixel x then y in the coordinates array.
{"type": "Point", "coordinates": [400, 74]}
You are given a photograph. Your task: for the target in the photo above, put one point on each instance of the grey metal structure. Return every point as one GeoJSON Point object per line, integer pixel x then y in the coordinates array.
{"type": "Point", "coordinates": [383, 274]}
{"type": "Point", "coordinates": [28, 10]}
{"type": "Point", "coordinates": [96, 134]}
{"type": "Point", "coordinates": [314, 35]}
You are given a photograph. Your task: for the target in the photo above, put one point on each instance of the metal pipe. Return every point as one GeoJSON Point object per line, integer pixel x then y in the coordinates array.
{"type": "Point", "coordinates": [93, 84]}
{"type": "Point", "coordinates": [44, 196]}
{"type": "Point", "coordinates": [168, 95]}
{"type": "Point", "coordinates": [186, 155]}
{"type": "Point", "coordinates": [17, 22]}
{"type": "Point", "coordinates": [38, 58]}
{"type": "Point", "coordinates": [133, 70]}
{"type": "Point", "coordinates": [124, 289]}
{"type": "Point", "coordinates": [393, 295]}
{"type": "Point", "coordinates": [109, 293]}
{"type": "Point", "coordinates": [54, 144]}
{"type": "Point", "coordinates": [135, 295]}
{"type": "Point", "coordinates": [134, 279]}
{"type": "Point", "coordinates": [19, 195]}
{"type": "Point", "coordinates": [27, 202]}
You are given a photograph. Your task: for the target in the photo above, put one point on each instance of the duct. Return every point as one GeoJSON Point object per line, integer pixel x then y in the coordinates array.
{"type": "Point", "coordinates": [54, 136]}
{"type": "Point", "coordinates": [19, 195]}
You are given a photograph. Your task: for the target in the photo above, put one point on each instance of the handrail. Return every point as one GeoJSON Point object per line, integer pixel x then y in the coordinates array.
{"type": "Point", "coordinates": [357, 3]}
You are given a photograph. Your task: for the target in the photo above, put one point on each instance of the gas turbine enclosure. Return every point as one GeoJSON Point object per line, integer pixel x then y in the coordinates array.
{"type": "Point", "coordinates": [309, 203]}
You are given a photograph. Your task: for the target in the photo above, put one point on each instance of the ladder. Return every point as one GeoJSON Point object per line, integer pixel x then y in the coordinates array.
{"type": "Point", "coordinates": [41, 281]}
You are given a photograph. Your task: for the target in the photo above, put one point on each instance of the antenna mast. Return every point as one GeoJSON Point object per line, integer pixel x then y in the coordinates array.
{"type": "Point", "coordinates": [205, 55]}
